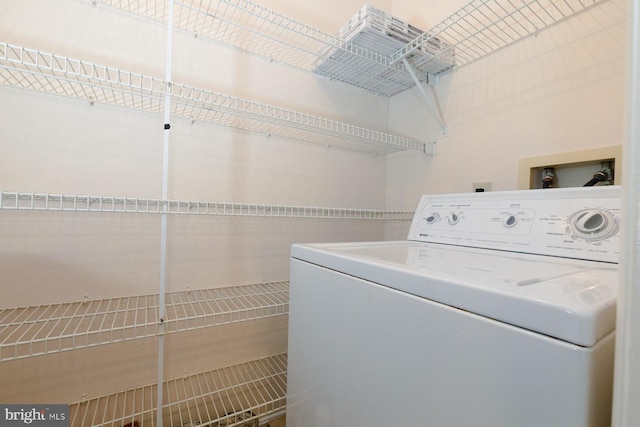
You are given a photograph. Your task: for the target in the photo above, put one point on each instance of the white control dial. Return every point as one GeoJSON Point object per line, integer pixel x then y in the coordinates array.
{"type": "Point", "coordinates": [510, 221]}
{"type": "Point", "coordinates": [453, 218]}
{"type": "Point", "coordinates": [593, 224]}
{"type": "Point", "coordinates": [432, 218]}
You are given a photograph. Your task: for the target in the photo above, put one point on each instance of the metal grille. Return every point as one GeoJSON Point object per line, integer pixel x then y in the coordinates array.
{"type": "Point", "coordinates": [222, 397]}
{"type": "Point", "coordinates": [38, 330]}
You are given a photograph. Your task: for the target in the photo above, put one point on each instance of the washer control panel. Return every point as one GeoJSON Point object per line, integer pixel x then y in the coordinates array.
{"type": "Point", "coordinates": [580, 223]}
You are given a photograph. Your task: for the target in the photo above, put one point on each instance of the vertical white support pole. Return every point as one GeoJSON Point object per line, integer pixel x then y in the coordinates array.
{"type": "Point", "coordinates": [163, 216]}
{"type": "Point", "coordinates": [626, 411]}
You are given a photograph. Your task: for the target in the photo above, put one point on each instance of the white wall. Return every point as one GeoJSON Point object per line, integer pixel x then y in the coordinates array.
{"type": "Point", "coordinates": [559, 91]}
{"type": "Point", "coordinates": [425, 14]}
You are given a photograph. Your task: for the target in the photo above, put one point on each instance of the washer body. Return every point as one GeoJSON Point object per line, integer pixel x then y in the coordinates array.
{"type": "Point", "coordinates": [477, 320]}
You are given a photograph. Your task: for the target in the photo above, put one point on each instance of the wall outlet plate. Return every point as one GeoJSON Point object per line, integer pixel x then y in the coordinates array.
{"type": "Point", "coordinates": [479, 187]}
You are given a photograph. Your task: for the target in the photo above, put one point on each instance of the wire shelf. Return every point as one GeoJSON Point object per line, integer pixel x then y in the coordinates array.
{"type": "Point", "coordinates": [80, 203]}
{"type": "Point", "coordinates": [198, 104]}
{"type": "Point", "coordinates": [55, 74]}
{"type": "Point", "coordinates": [254, 28]}
{"type": "Point", "coordinates": [38, 330]}
{"type": "Point", "coordinates": [381, 32]}
{"type": "Point", "coordinates": [251, 27]}
{"type": "Point", "coordinates": [238, 395]}
{"type": "Point", "coordinates": [485, 26]}
{"type": "Point", "coordinates": [196, 309]}
{"type": "Point", "coordinates": [477, 29]}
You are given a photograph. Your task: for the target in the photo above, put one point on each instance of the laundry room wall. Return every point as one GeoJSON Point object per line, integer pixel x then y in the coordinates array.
{"type": "Point", "coordinates": [558, 91]}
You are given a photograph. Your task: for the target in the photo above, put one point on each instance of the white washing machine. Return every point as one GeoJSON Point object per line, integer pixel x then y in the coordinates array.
{"type": "Point", "coordinates": [498, 311]}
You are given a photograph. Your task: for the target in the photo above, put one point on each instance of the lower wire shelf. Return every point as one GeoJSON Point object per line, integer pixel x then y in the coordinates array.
{"type": "Point", "coordinates": [38, 330]}
{"type": "Point", "coordinates": [240, 395]}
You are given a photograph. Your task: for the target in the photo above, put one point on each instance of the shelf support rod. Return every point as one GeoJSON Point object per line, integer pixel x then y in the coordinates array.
{"type": "Point", "coordinates": [430, 97]}
{"type": "Point", "coordinates": [163, 216]}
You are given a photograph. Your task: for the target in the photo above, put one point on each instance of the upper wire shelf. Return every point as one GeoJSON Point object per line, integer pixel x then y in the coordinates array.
{"type": "Point", "coordinates": [55, 74]}
{"type": "Point", "coordinates": [81, 203]}
{"type": "Point", "coordinates": [238, 395]}
{"type": "Point", "coordinates": [254, 28]}
{"type": "Point", "coordinates": [477, 29]}
{"type": "Point", "coordinates": [52, 328]}
{"type": "Point", "coordinates": [485, 26]}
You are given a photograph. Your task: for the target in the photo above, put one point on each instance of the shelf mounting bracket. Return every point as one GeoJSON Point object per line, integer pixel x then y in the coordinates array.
{"type": "Point", "coordinates": [430, 97]}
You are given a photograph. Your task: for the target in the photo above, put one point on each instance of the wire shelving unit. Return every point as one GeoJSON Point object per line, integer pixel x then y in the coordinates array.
{"type": "Point", "coordinates": [236, 395]}
{"type": "Point", "coordinates": [482, 27]}
{"type": "Point", "coordinates": [249, 26]}
{"type": "Point", "coordinates": [477, 29]}
{"type": "Point", "coordinates": [39, 330]}
{"type": "Point", "coordinates": [55, 74]}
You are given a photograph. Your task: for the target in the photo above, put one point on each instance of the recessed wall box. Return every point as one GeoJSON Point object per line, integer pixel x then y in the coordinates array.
{"type": "Point", "coordinates": [571, 169]}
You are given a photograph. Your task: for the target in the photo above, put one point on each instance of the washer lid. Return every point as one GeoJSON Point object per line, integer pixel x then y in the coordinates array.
{"type": "Point", "coordinates": [572, 300]}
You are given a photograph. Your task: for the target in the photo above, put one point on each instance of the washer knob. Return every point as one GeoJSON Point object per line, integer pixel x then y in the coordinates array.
{"type": "Point", "coordinates": [593, 224]}
{"type": "Point", "coordinates": [590, 222]}
{"type": "Point", "coordinates": [453, 218]}
{"type": "Point", "coordinates": [510, 221]}
{"type": "Point", "coordinates": [432, 218]}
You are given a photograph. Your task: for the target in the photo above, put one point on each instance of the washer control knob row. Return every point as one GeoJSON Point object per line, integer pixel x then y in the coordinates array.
{"type": "Point", "coordinates": [453, 218]}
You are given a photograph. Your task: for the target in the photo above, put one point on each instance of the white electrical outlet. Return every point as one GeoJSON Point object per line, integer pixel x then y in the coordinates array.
{"type": "Point", "coordinates": [479, 187]}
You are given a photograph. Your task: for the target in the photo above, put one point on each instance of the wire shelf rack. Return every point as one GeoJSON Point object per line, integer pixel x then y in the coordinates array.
{"type": "Point", "coordinates": [485, 26]}
{"type": "Point", "coordinates": [257, 29]}
{"type": "Point", "coordinates": [55, 74]}
{"type": "Point", "coordinates": [198, 104]}
{"type": "Point", "coordinates": [38, 330]}
{"type": "Point", "coordinates": [238, 395]}
{"type": "Point", "coordinates": [381, 32]}
{"type": "Point", "coordinates": [80, 203]}
{"type": "Point", "coordinates": [477, 29]}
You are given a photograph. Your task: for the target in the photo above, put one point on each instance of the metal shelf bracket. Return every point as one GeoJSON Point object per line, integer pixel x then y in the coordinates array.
{"type": "Point", "coordinates": [430, 96]}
